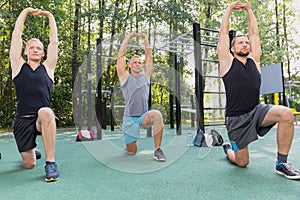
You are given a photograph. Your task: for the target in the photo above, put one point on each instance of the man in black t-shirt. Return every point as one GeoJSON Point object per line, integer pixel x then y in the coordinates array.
{"type": "Point", "coordinates": [246, 118]}
{"type": "Point", "coordinates": [33, 81]}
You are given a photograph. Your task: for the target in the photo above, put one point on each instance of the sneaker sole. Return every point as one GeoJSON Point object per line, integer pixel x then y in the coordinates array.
{"type": "Point", "coordinates": [51, 179]}
{"type": "Point", "coordinates": [226, 143]}
{"type": "Point", "coordinates": [287, 176]}
{"type": "Point", "coordinates": [159, 160]}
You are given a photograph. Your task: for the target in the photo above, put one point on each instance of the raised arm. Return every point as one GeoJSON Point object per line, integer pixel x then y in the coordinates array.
{"type": "Point", "coordinates": [224, 55]}
{"type": "Point", "coordinates": [52, 50]}
{"type": "Point", "coordinates": [253, 35]}
{"type": "Point", "coordinates": [16, 59]}
{"type": "Point", "coordinates": [148, 57]}
{"type": "Point", "coordinates": [121, 60]}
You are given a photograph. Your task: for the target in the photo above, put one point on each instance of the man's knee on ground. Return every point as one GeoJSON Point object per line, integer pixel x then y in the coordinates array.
{"type": "Point", "coordinates": [242, 163]}
{"type": "Point", "coordinates": [131, 152]}
{"type": "Point", "coordinates": [29, 164]}
{"type": "Point", "coordinates": [241, 158]}
{"type": "Point", "coordinates": [131, 148]}
{"type": "Point", "coordinates": [28, 159]}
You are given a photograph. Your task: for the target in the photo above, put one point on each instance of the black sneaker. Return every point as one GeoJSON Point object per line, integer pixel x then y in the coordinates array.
{"type": "Point", "coordinates": [38, 154]}
{"type": "Point", "coordinates": [159, 155]}
{"type": "Point", "coordinates": [226, 146]}
{"type": "Point", "coordinates": [51, 172]}
{"type": "Point", "coordinates": [287, 170]}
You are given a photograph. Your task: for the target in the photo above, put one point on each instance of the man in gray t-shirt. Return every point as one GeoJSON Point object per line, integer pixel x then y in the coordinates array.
{"type": "Point", "coordinates": [135, 88]}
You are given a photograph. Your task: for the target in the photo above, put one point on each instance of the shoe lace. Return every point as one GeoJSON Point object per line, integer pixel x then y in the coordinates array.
{"type": "Point", "coordinates": [51, 168]}
{"type": "Point", "coordinates": [290, 167]}
{"type": "Point", "coordinates": [158, 151]}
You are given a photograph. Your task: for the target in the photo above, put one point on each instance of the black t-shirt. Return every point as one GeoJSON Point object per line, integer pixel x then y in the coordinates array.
{"type": "Point", "coordinates": [242, 85]}
{"type": "Point", "coordinates": [33, 90]}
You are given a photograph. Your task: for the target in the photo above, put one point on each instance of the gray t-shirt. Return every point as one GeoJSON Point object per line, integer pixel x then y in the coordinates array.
{"type": "Point", "coordinates": [136, 93]}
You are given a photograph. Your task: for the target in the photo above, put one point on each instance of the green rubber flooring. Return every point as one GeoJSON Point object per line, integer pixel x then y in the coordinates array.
{"type": "Point", "coordinates": [102, 170]}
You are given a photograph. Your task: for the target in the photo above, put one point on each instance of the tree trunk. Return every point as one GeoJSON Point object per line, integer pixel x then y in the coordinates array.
{"type": "Point", "coordinates": [75, 42]}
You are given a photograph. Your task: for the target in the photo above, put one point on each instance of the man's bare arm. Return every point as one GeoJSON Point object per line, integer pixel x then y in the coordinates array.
{"type": "Point", "coordinates": [52, 50]}
{"type": "Point", "coordinates": [148, 57]}
{"type": "Point", "coordinates": [225, 58]}
{"type": "Point", "coordinates": [253, 34]}
{"type": "Point", "coordinates": [16, 59]}
{"type": "Point", "coordinates": [121, 60]}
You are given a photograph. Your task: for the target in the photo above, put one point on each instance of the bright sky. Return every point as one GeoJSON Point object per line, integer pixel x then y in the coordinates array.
{"type": "Point", "coordinates": [296, 4]}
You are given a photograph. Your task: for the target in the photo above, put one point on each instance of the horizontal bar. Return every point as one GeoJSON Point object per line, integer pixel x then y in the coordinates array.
{"type": "Point", "coordinates": [206, 29]}
{"type": "Point", "coordinates": [173, 51]}
{"type": "Point", "coordinates": [117, 44]}
{"type": "Point", "coordinates": [214, 92]}
{"type": "Point", "coordinates": [214, 124]}
{"type": "Point", "coordinates": [208, 60]}
{"type": "Point", "coordinates": [207, 36]}
{"type": "Point", "coordinates": [214, 108]}
{"type": "Point", "coordinates": [176, 39]}
{"type": "Point", "coordinates": [205, 76]}
{"type": "Point", "coordinates": [183, 44]}
{"type": "Point", "coordinates": [113, 58]}
{"type": "Point", "coordinates": [178, 47]}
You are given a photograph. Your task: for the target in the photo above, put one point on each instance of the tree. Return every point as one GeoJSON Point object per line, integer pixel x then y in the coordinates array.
{"type": "Point", "coordinates": [81, 22]}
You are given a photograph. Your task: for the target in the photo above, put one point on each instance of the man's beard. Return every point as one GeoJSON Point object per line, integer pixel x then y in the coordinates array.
{"type": "Point", "coordinates": [242, 54]}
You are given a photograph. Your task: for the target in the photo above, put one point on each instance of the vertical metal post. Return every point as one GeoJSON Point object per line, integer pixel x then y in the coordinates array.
{"type": "Point", "coordinates": [104, 110]}
{"type": "Point", "coordinates": [284, 101]}
{"type": "Point", "coordinates": [171, 104]}
{"type": "Point", "coordinates": [89, 92]}
{"type": "Point", "coordinates": [112, 106]}
{"type": "Point", "coordinates": [99, 86]}
{"type": "Point", "coordinates": [231, 35]}
{"type": "Point", "coordinates": [192, 114]}
{"type": "Point", "coordinates": [80, 112]}
{"type": "Point", "coordinates": [178, 97]}
{"type": "Point", "coordinates": [171, 92]}
{"type": "Point", "coordinates": [198, 77]}
{"type": "Point", "coordinates": [149, 130]}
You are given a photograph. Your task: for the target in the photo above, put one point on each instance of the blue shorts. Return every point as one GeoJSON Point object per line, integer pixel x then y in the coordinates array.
{"type": "Point", "coordinates": [131, 127]}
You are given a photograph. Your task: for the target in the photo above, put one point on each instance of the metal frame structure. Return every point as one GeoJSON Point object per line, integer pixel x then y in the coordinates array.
{"type": "Point", "coordinates": [183, 45]}
{"type": "Point", "coordinates": [102, 95]}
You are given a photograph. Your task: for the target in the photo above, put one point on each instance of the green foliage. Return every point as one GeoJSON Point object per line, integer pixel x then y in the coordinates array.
{"type": "Point", "coordinates": [161, 20]}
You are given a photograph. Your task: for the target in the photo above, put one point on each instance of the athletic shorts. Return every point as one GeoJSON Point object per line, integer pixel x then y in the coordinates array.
{"type": "Point", "coordinates": [131, 127]}
{"type": "Point", "coordinates": [25, 132]}
{"type": "Point", "coordinates": [244, 129]}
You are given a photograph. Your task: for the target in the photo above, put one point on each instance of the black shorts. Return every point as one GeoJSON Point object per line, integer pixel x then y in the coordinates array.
{"type": "Point", "coordinates": [25, 132]}
{"type": "Point", "coordinates": [244, 129]}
